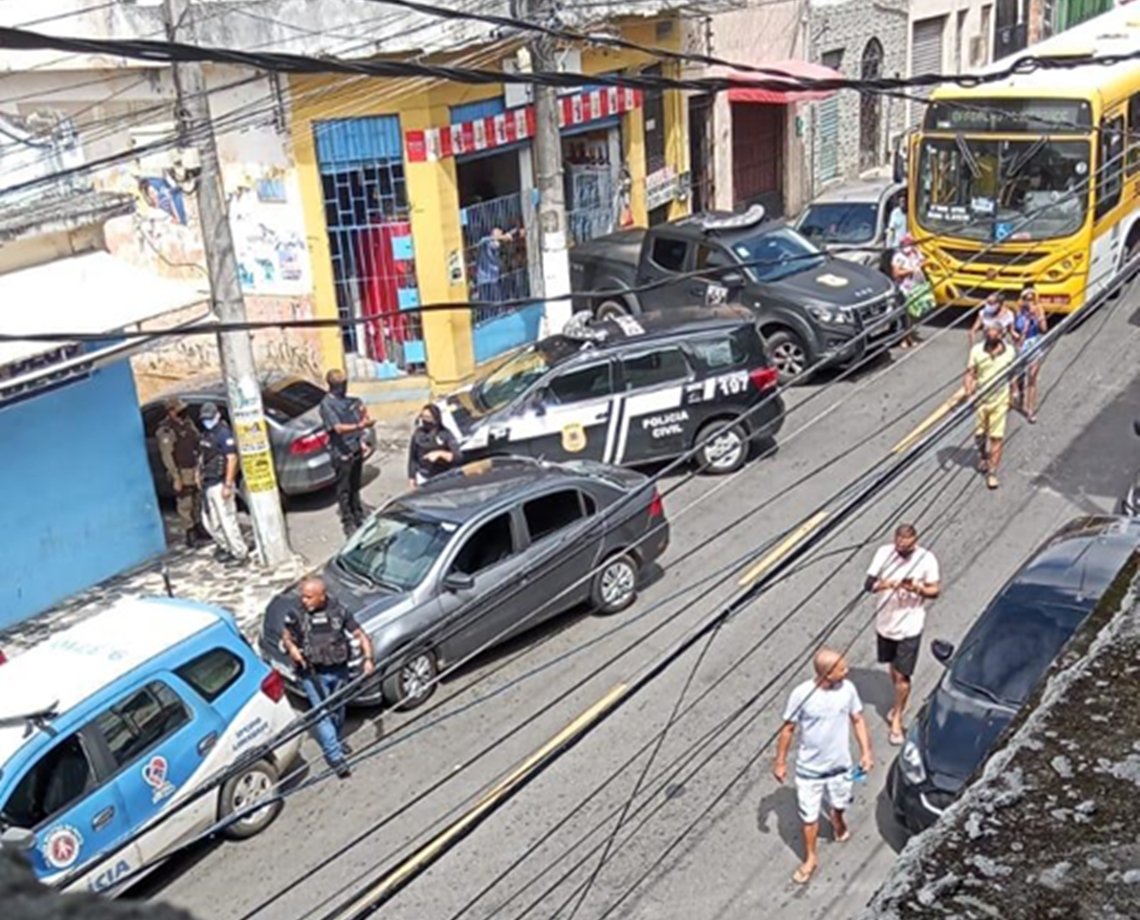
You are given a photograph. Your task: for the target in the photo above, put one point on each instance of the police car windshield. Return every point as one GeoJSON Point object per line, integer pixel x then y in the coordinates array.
{"type": "Point", "coordinates": [394, 550]}
{"type": "Point", "coordinates": [776, 254]}
{"type": "Point", "coordinates": [503, 385]}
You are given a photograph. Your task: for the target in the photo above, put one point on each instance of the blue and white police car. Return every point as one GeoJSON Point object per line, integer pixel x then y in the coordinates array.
{"type": "Point", "coordinates": [109, 727]}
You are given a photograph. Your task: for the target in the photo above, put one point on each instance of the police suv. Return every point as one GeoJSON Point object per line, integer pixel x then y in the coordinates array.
{"type": "Point", "coordinates": [628, 390]}
{"type": "Point", "coordinates": [109, 727]}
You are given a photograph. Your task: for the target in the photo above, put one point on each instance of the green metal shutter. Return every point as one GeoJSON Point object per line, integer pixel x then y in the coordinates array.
{"type": "Point", "coordinates": [827, 139]}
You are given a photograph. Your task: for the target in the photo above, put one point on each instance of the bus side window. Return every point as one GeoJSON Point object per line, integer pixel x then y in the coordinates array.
{"type": "Point", "coordinates": [1134, 134]}
{"type": "Point", "coordinates": [1110, 165]}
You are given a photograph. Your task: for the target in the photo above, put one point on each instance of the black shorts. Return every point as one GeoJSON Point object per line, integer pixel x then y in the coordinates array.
{"type": "Point", "coordinates": [901, 654]}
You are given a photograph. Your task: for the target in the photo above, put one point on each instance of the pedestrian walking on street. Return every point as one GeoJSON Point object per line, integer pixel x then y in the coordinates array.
{"type": "Point", "coordinates": [906, 269]}
{"type": "Point", "coordinates": [1029, 325]}
{"type": "Point", "coordinates": [987, 376]}
{"type": "Point", "coordinates": [433, 449]}
{"type": "Point", "coordinates": [346, 419]}
{"type": "Point", "coordinates": [317, 638]}
{"type": "Point", "coordinates": [825, 710]}
{"type": "Point", "coordinates": [904, 576]}
{"type": "Point", "coordinates": [179, 443]}
{"type": "Point", "coordinates": [993, 312]}
{"type": "Point", "coordinates": [217, 478]}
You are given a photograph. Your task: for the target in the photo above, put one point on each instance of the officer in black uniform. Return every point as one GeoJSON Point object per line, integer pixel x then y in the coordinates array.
{"type": "Point", "coordinates": [346, 420]}
{"type": "Point", "coordinates": [316, 637]}
{"type": "Point", "coordinates": [217, 473]}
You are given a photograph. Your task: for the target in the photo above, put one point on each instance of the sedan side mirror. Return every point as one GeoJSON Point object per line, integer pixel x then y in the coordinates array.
{"type": "Point", "coordinates": [458, 581]}
{"type": "Point", "coordinates": [17, 839]}
{"type": "Point", "coordinates": [942, 650]}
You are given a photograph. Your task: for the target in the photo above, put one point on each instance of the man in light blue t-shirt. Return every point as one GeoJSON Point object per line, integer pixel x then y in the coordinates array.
{"type": "Point", "coordinates": [825, 710]}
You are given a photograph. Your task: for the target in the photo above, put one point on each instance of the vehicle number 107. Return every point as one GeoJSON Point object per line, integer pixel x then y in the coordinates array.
{"type": "Point", "coordinates": [732, 384]}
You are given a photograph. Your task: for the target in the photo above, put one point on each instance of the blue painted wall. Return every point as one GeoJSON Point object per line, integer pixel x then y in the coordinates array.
{"type": "Point", "coordinates": [506, 332]}
{"type": "Point", "coordinates": [77, 501]}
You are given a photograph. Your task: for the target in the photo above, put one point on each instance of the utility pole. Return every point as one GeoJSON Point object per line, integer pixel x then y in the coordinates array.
{"type": "Point", "coordinates": [235, 348]}
{"type": "Point", "coordinates": [548, 166]}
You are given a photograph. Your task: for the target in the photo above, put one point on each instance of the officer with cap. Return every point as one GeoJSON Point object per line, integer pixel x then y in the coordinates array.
{"type": "Point", "coordinates": [217, 474]}
{"type": "Point", "coordinates": [178, 445]}
{"type": "Point", "coordinates": [316, 638]}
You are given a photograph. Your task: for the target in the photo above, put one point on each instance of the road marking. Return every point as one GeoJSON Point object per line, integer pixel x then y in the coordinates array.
{"type": "Point", "coordinates": [465, 822]}
{"type": "Point", "coordinates": [930, 421]}
{"type": "Point", "coordinates": [785, 547]}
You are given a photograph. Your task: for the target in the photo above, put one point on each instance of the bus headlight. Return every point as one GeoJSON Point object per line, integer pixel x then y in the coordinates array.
{"type": "Point", "coordinates": [1062, 270]}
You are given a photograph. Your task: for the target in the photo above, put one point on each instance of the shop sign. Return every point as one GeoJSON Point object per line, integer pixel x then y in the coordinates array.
{"type": "Point", "coordinates": [660, 188]}
{"type": "Point", "coordinates": [516, 125]}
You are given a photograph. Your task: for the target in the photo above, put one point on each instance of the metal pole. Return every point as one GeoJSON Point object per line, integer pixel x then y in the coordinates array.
{"type": "Point", "coordinates": [548, 167]}
{"type": "Point", "coordinates": [242, 389]}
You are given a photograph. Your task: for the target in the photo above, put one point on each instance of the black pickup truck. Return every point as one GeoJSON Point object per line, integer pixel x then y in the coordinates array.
{"type": "Point", "coordinates": [810, 307]}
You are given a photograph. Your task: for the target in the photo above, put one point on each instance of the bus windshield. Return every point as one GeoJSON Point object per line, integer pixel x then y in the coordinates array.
{"type": "Point", "coordinates": [992, 190]}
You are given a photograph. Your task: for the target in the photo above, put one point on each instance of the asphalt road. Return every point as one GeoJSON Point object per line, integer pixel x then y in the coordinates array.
{"type": "Point", "coordinates": [714, 836]}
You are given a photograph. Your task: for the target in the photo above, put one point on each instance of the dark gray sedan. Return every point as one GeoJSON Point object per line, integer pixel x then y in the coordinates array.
{"type": "Point", "coordinates": [479, 555]}
{"type": "Point", "coordinates": [299, 440]}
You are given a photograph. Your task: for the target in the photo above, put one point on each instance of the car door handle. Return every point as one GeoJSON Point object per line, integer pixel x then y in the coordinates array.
{"type": "Point", "coordinates": [207, 744]}
{"type": "Point", "coordinates": [696, 289]}
{"type": "Point", "coordinates": [102, 819]}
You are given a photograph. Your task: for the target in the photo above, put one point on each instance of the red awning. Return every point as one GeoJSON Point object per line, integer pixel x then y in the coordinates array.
{"type": "Point", "coordinates": [771, 95]}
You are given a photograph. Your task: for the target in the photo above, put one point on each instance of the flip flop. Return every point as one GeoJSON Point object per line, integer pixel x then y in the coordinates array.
{"type": "Point", "coordinates": [1031, 418]}
{"type": "Point", "coordinates": [896, 739]}
{"type": "Point", "coordinates": [800, 877]}
{"type": "Point", "coordinates": [891, 716]}
{"type": "Point", "coordinates": [991, 481]}
{"type": "Point", "coordinates": [844, 837]}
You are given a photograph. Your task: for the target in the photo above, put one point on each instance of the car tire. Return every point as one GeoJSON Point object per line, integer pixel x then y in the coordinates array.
{"type": "Point", "coordinates": [615, 585]}
{"type": "Point", "coordinates": [413, 682]}
{"type": "Point", "coordinates": [254, 782]}
{"type": "Point", "coordinates": [789, 353]}
{"type": "Point", "coordinates": [609, 309]}
{"type": "Point", "coordinates": [725, 453]}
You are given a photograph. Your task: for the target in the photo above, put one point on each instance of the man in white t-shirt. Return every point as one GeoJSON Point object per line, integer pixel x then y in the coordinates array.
{"type": "Point", "coordinates": [825, 710]}
{"type": "Point", "coordinates": [904, 576]}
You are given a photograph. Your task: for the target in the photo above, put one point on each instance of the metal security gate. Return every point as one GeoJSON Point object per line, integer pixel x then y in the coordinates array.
{"type": "Point", "coordinates": [827, 127]}
{"type": "Point", "coordinates": [370, 240]}
{"type": "Point", "coordinates": [925, 57]}
{"type": "Point", "coordinates": [757, 150]}
{"type": "Point", "coordinates": [495, 246]}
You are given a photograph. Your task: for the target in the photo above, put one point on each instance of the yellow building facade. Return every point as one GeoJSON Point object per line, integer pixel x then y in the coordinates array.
{"type": "Point", "coordinates": [422, 193]}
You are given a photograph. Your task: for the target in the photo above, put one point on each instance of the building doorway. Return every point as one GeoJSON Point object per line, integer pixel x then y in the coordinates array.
{"type": "Point", "coordinates": [758, 155]}
{"type": "Point", "coordinates": [870, 108]}
{"type": "Point", "coordinates": [700, 152]}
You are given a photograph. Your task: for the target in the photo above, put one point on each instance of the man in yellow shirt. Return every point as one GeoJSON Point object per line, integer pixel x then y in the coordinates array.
{"type": "Point", "coordinates": [986, 374]}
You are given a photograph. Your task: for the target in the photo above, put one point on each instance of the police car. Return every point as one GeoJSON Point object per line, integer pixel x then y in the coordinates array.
{"type": "Point", "coordinates": [627, 391]}
{"type": "Point", "coordinates": [109, 726]}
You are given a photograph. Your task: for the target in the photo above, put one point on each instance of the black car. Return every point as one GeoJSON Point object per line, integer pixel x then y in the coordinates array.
{"type": "Point", "coordinates": [811, 307]}
{"type": "Point", "coordinates": [1000, 662]}
{"type": "Point", "coordinates": [628, 390]}
{"type": "Point", "coordinates": [479, 555]}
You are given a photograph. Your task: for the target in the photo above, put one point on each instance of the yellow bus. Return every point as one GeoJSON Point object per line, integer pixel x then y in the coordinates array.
{"type": "Point", "coordinates": [1035, 178]}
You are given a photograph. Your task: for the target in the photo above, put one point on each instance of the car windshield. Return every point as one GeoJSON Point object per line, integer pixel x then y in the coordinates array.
{"type": "Point", "coordinates": [288, 399]}
{"type": "Point", "coordinates": [840, 222]}
{"type": "Point", "coordinates": [993, 190]}
{"type": "Point", "coordinates": [777, 254]}
{"type": "Point", "coordinates": [394, 550]}
{"type": "Point", "coordinates": [509, 381]}
{"type": "Point", "coordinates": [1012, 645]}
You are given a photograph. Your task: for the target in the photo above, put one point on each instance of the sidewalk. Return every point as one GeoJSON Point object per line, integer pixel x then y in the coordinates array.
{"type": "Point", "coordinates": [314, 534]}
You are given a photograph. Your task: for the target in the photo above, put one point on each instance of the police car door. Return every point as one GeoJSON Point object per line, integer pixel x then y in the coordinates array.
{"type": "Point", "coordinates": [570, 415]}
{"type": "Point", "coordinates": [159, 738]}
{"type": "Point", "coordinates": [654, 421]}
{"type": "Point", "coordinates": [64, 794]}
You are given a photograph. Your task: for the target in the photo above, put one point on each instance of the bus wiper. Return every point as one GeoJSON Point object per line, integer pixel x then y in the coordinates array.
{"type": "Point", "coordinates": [968, 156]}
{"type": "Point", "coordinates": [1022, 161]}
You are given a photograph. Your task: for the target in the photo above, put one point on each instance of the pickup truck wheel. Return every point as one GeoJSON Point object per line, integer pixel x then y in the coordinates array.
{"type": "Point", "coordinates": [726, 452]}
{"type": "Point", "coordinates": [789, 353]}
{"type": "Point", "coordinates": [612, 308]}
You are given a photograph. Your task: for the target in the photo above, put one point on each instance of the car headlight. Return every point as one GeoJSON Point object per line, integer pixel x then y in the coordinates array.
{"type": "Point", "coordinates": [910, 760]}
{"type": "Point", "coordinates": [835, 316]}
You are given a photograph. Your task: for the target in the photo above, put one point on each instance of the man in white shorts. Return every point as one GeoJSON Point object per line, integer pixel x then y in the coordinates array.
{"type": "Point", "coordinates": [825, 710]}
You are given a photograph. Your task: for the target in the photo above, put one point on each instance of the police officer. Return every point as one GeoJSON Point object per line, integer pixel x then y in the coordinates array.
{"type": "Point", "coordinates": [217, 475]}
{"type": "Point", "coordinates": [316, 637]}
{"type": "Point", "coordinates": [346, 420]}
{"type": "Point", "coordinates": [178, 445]}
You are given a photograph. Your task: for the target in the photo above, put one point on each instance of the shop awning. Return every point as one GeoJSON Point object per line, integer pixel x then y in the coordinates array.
{"type": "Point", "coordinates": [773, 95]}
{"type": "Point", "coordinates": [93, 293]}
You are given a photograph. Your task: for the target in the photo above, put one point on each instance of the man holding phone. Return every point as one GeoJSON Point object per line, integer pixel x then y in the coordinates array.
{"type": "Point", "coordinates": [904, 576]}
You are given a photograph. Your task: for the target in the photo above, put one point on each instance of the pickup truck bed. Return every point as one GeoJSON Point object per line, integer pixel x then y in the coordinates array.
{"type": "Point", "coordinates": [606, 263]}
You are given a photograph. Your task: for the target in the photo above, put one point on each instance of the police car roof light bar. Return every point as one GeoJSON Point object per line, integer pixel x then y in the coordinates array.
{"type": "Point", "coordinates": [754, 215]}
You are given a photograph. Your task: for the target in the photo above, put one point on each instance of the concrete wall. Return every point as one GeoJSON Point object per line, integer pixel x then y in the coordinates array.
{"type": "Point", "coordinates": [965, 23]}
{"type": "Point", "coordinates": [78, 502]}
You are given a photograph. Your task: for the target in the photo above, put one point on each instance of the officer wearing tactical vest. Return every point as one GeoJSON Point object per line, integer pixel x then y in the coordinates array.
{"type": "Point", "coordinates": [316, 637]}
{"type": "Point", "coordinates": [178, 444]}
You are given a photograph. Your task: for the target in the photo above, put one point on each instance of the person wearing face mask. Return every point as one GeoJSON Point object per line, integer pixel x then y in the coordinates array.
{"type": "Point", "coordinates": [217, 475]}
{"type": "Point", "coordinates": [987, 373]}
{"type": "Point", "coordinates": [903, 576]}
{"type": "Point", "coordinates": [346, 420]}
{"type": "Point", "coordinates": [433, 449]}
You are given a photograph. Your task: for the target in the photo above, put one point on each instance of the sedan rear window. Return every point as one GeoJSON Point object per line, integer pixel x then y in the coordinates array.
{"type": "Point", "coordinates": [550, 513]}
{"type": "Point", "coordinates": [290, 399]}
